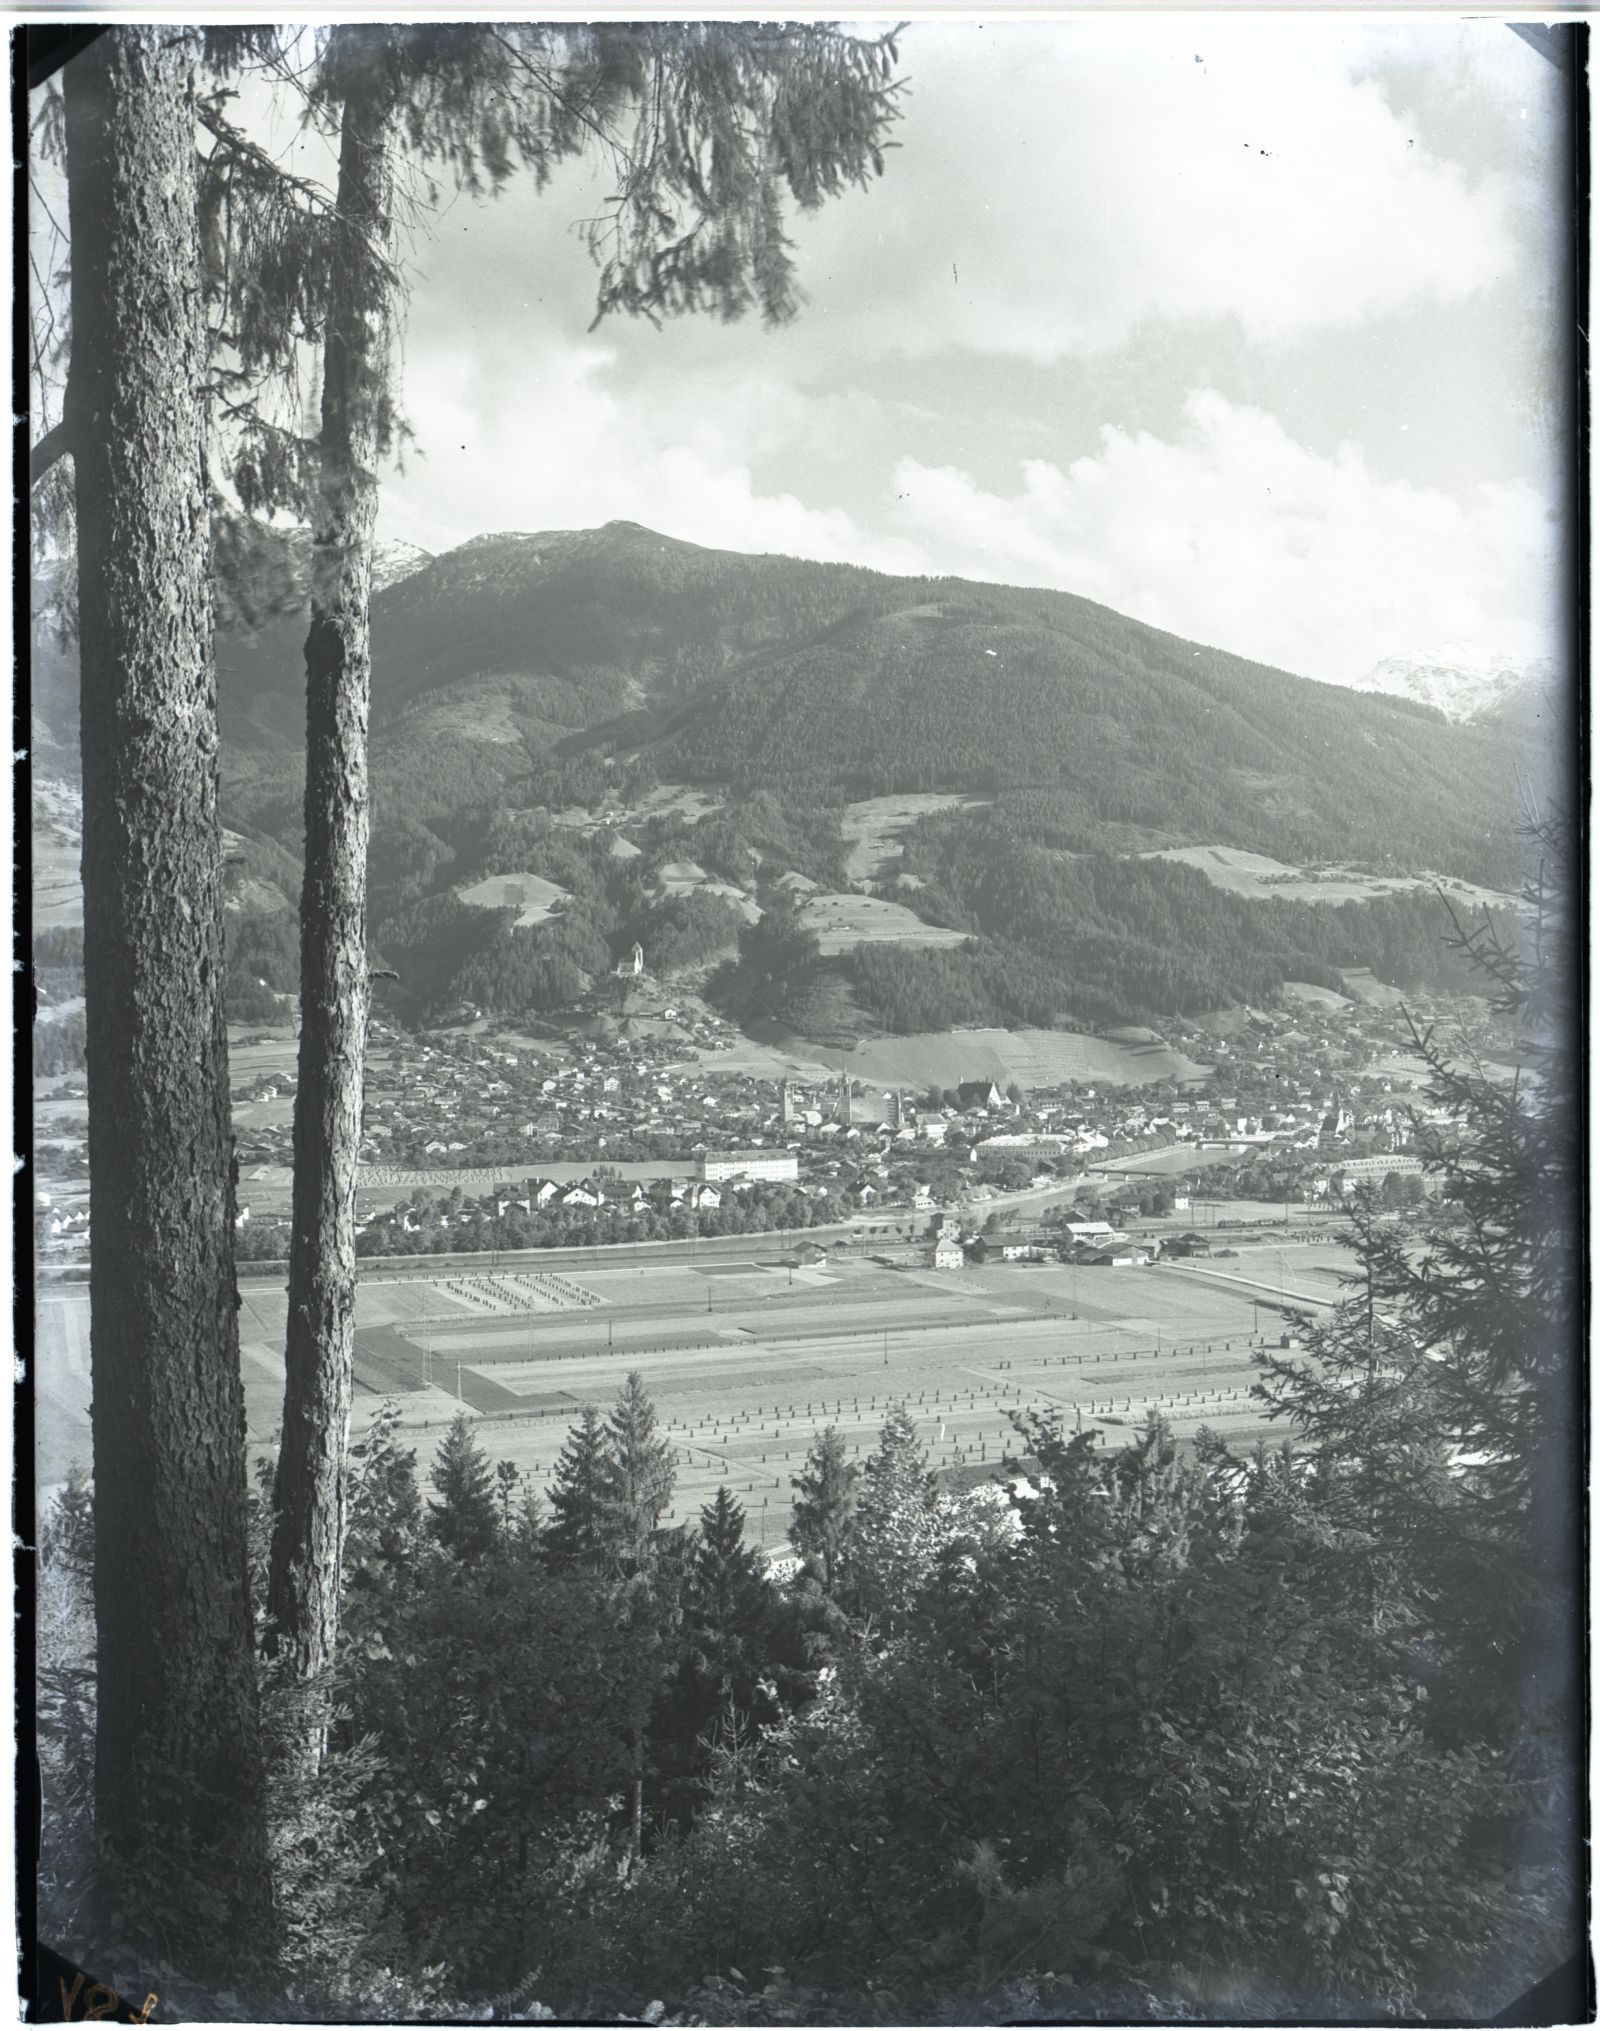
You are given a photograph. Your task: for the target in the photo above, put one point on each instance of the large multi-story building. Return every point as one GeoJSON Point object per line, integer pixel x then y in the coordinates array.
{"type": "Point", "coordinates": [777, 1165]}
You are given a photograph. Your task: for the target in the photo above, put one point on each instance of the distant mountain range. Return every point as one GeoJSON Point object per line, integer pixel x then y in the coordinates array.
{"type": "Point", "coordinates": [1464, 684]}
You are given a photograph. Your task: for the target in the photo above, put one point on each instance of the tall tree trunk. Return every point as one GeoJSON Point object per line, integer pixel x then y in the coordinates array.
{"type": "Point", "coordinates": [177, 1766]}
{"type": "Point", "coordinates": [309, 1494]}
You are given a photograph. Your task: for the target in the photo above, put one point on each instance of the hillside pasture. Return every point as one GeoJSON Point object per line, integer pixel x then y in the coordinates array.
{"type": "Point", "coordinates": [874, 827]}
{"type": "Point", "coordinates": [1257, 877]}
{"type": "Point", "coordinates": [530, 895]}
{"type": "Point", "coordinates": [842, 921]}
{"type": "Point", "coordinates": [1036, 1059]}
{"type": "Point", "coordinates": [687, 877]}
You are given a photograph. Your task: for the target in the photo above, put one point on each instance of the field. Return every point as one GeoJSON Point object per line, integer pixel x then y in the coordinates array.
{"type": "Point", "coordinates": [530, 895]}
{"type": "Point", "coordinates": [748, 1357]}
{"type": "Point", "coordinates": [686, 877]}
{"type": "Point", "coordinates": [665, 800]}
{"type": "Point", "coordinates": [874, 825]}
{"type": "Point", "coordinates": [843, 921]}
{"type": "Point", "coordinates": [1255, 875]}
{"type": "Point", "coordinates": [1036, 1059]}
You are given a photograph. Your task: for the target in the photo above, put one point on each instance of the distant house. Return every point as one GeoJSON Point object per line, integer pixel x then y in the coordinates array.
{"type": "Point", "coordinates": [948, 1253]}
{"type": "Point", "coordinates": [809, 1255]}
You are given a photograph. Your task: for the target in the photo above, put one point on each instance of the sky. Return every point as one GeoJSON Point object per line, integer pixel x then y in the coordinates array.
{"type": "Point", "coordinates": [1247, 327]}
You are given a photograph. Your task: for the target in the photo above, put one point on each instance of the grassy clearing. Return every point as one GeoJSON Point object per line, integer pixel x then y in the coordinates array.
{"type": "Point", "coordinates": [1256, 876]}
{"type": "Point", "coordinates": [843, 921]}
{"type": "Point", "coordinates": [874, 827]}
{"type": "Point", "coordinates": [530, 895]}
{"type": "Point", "coordinates": [1036, 1059]}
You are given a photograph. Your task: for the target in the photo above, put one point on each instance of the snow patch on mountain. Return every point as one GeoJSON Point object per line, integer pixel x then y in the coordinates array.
{"type": "Point", "coordinates": [1463, 682]}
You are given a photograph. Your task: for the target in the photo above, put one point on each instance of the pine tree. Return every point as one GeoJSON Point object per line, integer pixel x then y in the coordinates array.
{"type": "Point", "coordinates": [463, 1519]}
{"type": "Point", "coordinates": [177, 1763]}
{"type": "Point", "coordinates": [637, 1477]}
{"type": "Point", "coordinates": [575, 1534]}
{"type": "Point", "coordinates": [824, 1512]}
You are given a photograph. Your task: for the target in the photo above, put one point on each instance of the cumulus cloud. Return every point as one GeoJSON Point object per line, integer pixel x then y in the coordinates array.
{"type": "Point", "coordinates": [582, 444]}
{"type": "Point", "coordinates": [1075, 178]}
{"type": "Point", "coordinates": [1236, 535]}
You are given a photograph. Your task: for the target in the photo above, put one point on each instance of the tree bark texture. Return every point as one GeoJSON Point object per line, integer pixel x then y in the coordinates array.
{"type": "Point", "coordinates": [310, 1490]}
{"type": "Point", "coordinates": [177, 1768]}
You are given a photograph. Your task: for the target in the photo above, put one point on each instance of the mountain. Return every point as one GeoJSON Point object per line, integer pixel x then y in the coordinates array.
{"type": "Point", "coordinates": [729, 668]}
{"type": "Point", "coordinates": [525, 673]}
{"type": "Point", "coordinates": [1467, 685]}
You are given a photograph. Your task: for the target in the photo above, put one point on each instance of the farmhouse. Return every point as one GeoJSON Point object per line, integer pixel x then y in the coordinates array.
{"type": "Point", "coordinates": [948, 1253]}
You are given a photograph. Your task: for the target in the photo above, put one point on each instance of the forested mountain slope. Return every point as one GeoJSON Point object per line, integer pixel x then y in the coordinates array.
{"type": "Point", "coordinates": [523, 673]}
{"type": "Point", "coordinates": [947, 684]}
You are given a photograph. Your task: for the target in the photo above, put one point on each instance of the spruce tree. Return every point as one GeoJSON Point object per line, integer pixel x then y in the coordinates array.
{"type": "Point", "coordinates": [824, 1513]}
{"type": "Point", "coordinates": [637, 1477]}
{"type": "Point", "coordinates": [726, 1591]}
{"type": "Point", "coordinates": [575, 1535]}
{"type": "Point", "coordinates": [463, 1520]}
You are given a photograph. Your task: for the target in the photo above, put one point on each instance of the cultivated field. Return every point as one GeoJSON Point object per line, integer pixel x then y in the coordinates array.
{"type": "Point", "coordinates": [748, 1358]}
{"type": "Point", "coordinates": [843, 921]}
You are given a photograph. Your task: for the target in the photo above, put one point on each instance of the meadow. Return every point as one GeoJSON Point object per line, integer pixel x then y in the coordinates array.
{"type": "Point", "coordinates": [1036, 1059]}
{"type": "Point", "coordinates": [874, 827]}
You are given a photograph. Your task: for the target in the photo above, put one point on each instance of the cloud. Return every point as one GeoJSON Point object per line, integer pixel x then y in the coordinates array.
{"type": "Point", "coordinates": [1236, 535]}
{"type": "Point", "coordinates": [582, 443]}
{"type": "Point", "coordinates": [1062, 183]}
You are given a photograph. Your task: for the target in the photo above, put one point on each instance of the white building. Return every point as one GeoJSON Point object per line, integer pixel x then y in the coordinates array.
{"type": "Point", "coordinates": [780, 1166]}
